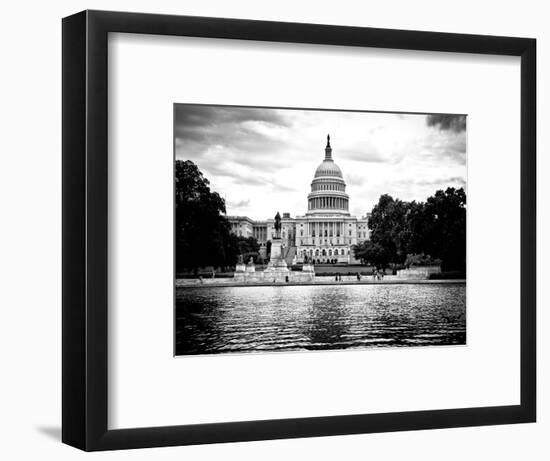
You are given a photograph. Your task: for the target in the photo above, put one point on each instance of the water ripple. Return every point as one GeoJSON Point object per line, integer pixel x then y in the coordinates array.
{"type": "Point", "coordinates": [249, 319]}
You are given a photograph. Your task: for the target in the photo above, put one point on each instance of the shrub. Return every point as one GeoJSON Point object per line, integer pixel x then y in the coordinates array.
{"type": "Point", "coordinates": [421, 260]}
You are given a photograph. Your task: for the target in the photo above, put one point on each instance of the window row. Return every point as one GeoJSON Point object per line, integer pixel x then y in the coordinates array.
{"type": "Point", "coordinates": [325, 252]}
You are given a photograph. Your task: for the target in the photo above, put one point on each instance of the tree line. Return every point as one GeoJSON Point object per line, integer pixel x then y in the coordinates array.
{"type": "Point", "coordinates": [427, 232]}
{"type": "Point", "coordinates": [203, 233]}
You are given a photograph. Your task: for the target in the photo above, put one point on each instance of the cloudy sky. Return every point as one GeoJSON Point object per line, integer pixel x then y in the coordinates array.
{"type": "Point", "coordinates": [263, 160]}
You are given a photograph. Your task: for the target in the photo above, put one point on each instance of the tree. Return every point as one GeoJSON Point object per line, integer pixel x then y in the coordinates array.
{"type": "Point", "coordinates": [203, 236]}
{"type": "Point", "coordinates": [388, 225]}
{"type": "Point", "coordinates": [436, 227]}
{"type": "Point", "coordinates": [445, 213]}
{"type": "Point", "coordinates": [248, 247]}
{"type": "Point", "coordinates": [372, 253]}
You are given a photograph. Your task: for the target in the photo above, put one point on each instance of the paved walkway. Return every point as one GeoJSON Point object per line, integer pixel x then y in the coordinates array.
{"type": "Point", "coordinates": [388, 280]}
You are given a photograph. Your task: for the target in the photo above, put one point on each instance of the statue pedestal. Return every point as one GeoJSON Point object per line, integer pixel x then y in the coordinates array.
{"type": "Point", "coordinates": [307, 275]}
{"type": "Point", "coordinates": [250, 267]}
{"type": "Point", "coordinates": [240, 267]}
{"type": "Point", "coordinates": [276, 270]}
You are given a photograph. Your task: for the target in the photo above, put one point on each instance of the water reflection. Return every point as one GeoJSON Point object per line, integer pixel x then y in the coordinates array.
{"type": "Point", "coordinates": [251, 319]}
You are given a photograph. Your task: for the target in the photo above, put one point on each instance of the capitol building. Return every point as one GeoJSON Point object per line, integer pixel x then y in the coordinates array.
{"type": "Point", "coordinates": [325, 233]}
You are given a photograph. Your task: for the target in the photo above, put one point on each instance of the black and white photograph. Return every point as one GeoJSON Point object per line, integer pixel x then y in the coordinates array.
{"type": "Point", "coordinates": [304, 230]}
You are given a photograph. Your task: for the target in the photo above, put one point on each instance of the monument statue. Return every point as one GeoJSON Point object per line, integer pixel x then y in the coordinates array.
{"type": "Point", "coordinates": [240, 261]}
{"type": "Point", "coordinates": [278, 225]}
{"type": "Point", "coordinates": [251, 261]}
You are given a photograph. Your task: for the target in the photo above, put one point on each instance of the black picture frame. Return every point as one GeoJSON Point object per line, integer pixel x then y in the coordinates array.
{"type": "Point", "coordinates": [85, 219]}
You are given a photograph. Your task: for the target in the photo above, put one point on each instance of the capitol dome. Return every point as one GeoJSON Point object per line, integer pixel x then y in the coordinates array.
{"type": "Point", "coordinates": [328, 188]}
{"type": "Point", "coordinates": [328, 168]}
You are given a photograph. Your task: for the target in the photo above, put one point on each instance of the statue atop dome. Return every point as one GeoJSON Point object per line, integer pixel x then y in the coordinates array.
{"type": "Point", "coordinates": [328, 149]}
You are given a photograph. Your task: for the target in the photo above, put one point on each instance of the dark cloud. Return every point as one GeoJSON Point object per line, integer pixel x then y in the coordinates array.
{"type": "Point", "coordinates": [456, 123]}
{"type": "Point", "coordinates": [452, 147]}
{"type": "Point", "coordinates": [215, 134]}
{"type": "Point", "coordinates": [210, 123]}
{"type": "Point", "coordinates": [193, 115]}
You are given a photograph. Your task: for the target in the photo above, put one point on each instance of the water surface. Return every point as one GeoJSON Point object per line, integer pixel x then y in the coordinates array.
{"type": "Point", "coordinates": [288, 318]}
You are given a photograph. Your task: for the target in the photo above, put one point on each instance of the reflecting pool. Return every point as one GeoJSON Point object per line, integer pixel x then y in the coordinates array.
{"type": "Point", "coordinates": [212, 320]}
